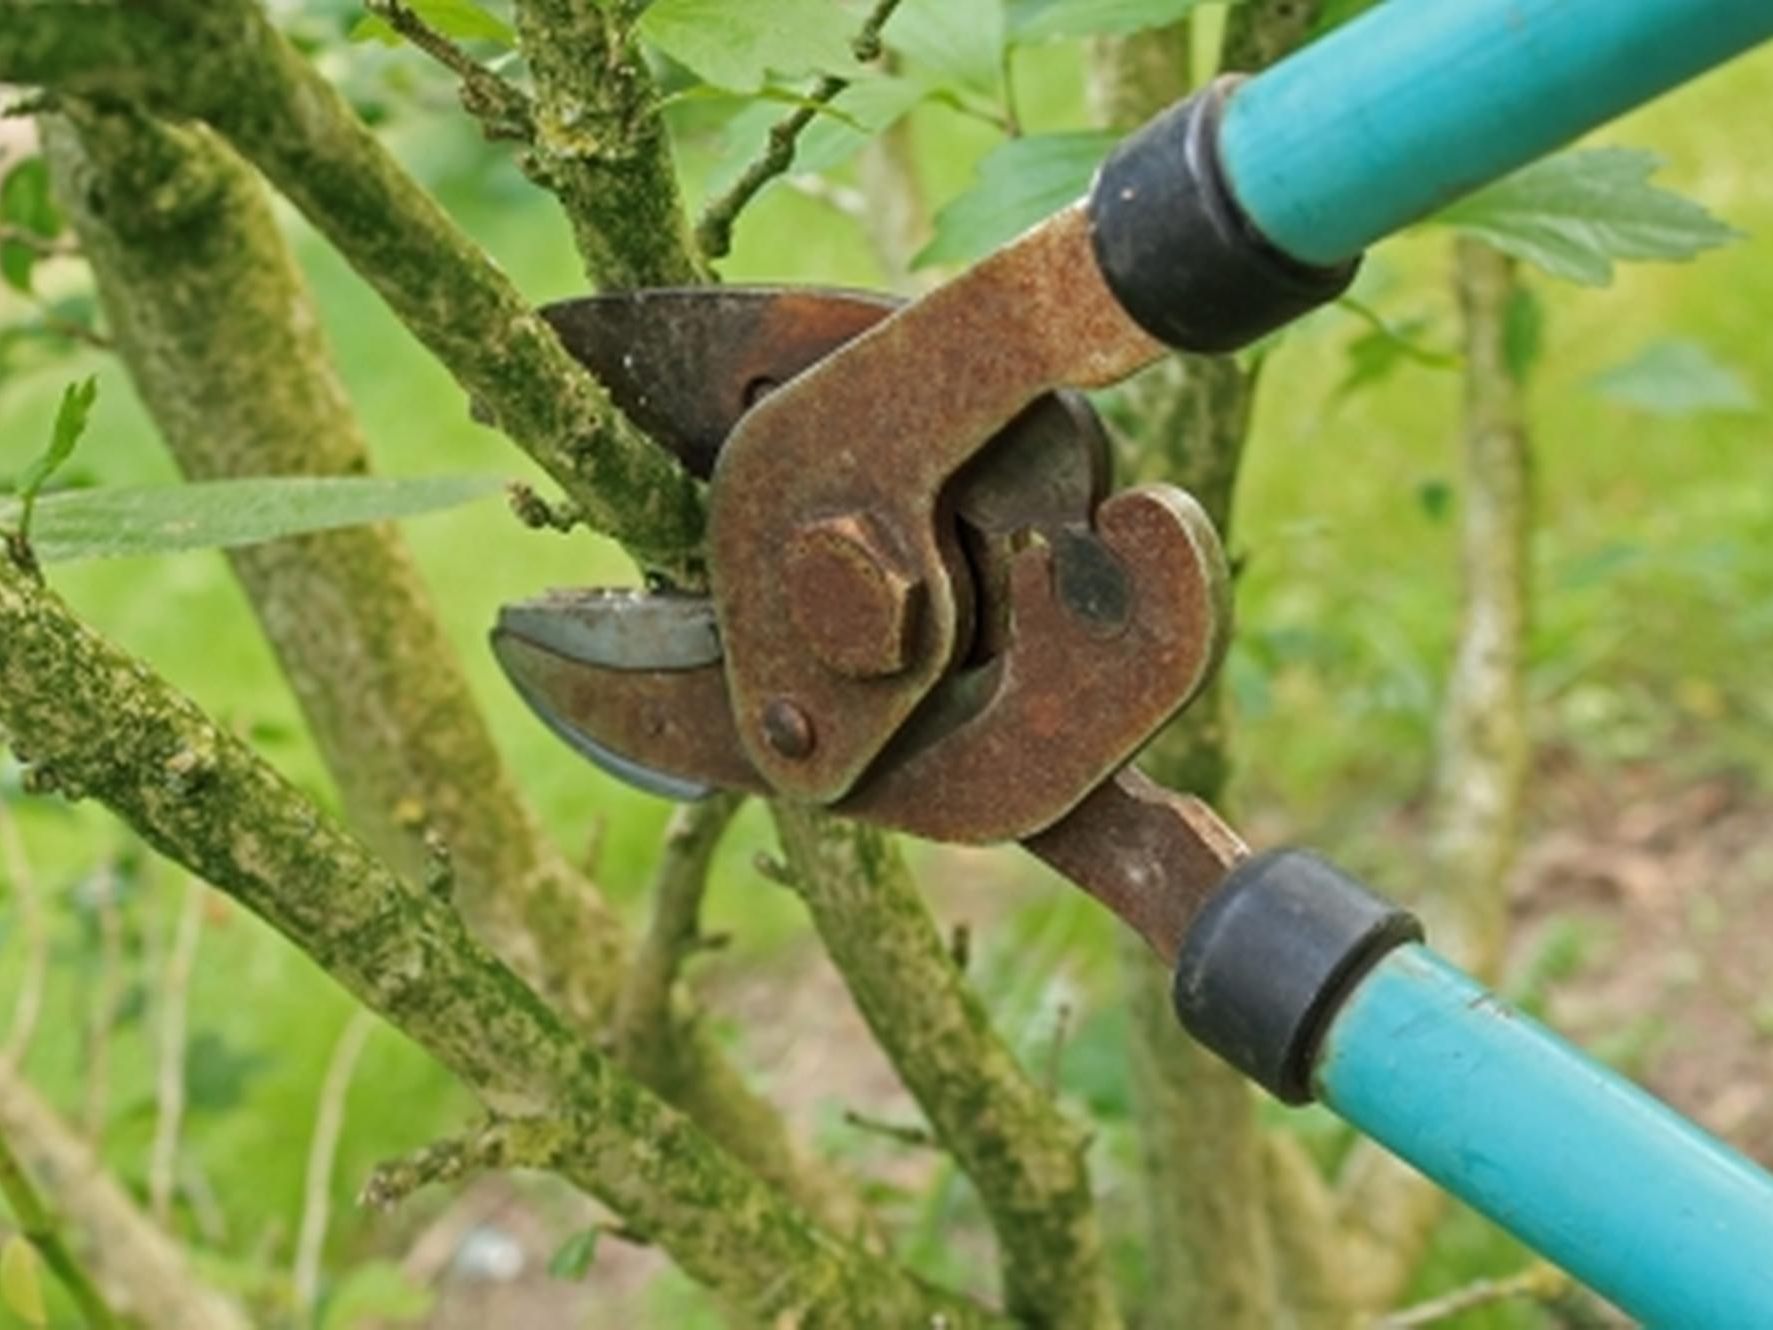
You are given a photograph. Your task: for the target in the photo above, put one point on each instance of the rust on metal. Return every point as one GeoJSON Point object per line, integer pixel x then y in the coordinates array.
{"type": "Point", "coordinates": [1150, 855]}
{"type": "Point", "coordinates": [882, 426]}
{"type": "Point", "coordinates": [1001, 752]}
{"type": "Point", "coordinates": [685, 363]}
{"type": "Point", "coordinates": [855, 607]}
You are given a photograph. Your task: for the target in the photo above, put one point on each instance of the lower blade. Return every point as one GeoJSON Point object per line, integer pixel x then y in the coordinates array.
{"type": "Point", "coordinates": [632, 683]}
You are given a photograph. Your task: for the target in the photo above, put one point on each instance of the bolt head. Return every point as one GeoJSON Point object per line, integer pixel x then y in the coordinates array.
{"type": "Point", "coordinates": [853, 602]}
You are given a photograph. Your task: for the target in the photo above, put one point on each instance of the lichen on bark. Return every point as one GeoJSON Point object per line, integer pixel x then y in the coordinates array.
{"type": "Point", "coordinates": [97, 723]}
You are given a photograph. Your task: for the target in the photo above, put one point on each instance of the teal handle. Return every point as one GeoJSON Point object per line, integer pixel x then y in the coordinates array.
{"type": "Point", "coordinates": [1420, 102]}
{"type": "Point", "coordinates": [1605, 1181]}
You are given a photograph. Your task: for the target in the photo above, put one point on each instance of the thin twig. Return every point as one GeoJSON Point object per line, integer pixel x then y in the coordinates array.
{"type": "Point", "coordinates": [503, 110]}
{"type": "Point", "coordinates": [45, 247]}
{"type": "Point", "coordinates": [903, 1133]}
{"type": "Point", "coordinates": [33, 927]}
{"type": "Point", "coordinates": [714, 232]}
{"type": "Point", "coordinates": [40, 1229]}
{"type": "Point", "coordinates": [644, 1027]}
{"type": "Point", "coordinates": [483, 1150]}
{"type": "Point", "coordinates": [103, 1013]}
{"type": "Point", "coordinates": [1540, 1283]}
{"type": "Point", "coordinates": [174, 1003]}
{"type": "Point", "coordinates": [329, 1124]}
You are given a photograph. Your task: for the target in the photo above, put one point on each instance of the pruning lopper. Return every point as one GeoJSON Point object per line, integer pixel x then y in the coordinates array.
{"type": "Point", "coordinates": [930, 609]}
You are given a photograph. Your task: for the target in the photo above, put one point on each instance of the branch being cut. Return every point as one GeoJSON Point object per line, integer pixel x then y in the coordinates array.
{"type": "Point", "coordinates": [93, 721]}
{"type": "Point", "coordinates": [1022, 1154]}
{"type": "Point", "coordinates": [600, 144]}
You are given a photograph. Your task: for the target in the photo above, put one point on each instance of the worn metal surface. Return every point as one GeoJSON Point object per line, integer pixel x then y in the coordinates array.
{"type": "Point", "coordinates": [1000, 752]}
{"type": "Point", "coordinates": [619, 630]}
{"type": "Point", "coordinates": [685, 364]}
{"type": "Point", "coordinates": [878, 430]}
{"type": "Point", "coordinates": [1150, 855]}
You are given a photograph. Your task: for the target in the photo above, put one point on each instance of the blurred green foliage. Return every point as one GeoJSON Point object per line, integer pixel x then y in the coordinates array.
{"type": "Point", "coordinates": [1654, 612]}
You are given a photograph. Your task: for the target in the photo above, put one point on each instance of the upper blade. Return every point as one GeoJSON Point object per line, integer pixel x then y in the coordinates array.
{"type": "Point", "coordinates": [685, 363]}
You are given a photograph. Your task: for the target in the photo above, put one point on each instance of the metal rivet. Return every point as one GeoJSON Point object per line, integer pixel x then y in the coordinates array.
{"type": "Point", "coordinates": [787, 729]}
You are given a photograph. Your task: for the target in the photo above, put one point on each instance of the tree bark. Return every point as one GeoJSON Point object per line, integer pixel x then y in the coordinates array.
{"type": "Point", "coordinates": [91, 721]}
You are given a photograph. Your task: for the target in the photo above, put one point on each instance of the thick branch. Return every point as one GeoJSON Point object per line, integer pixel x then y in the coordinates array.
{"type": "Point", "coordinates": [1023, 1155]}
{"type": "Point", "coordinates": [139, 1269]}
{"type": "Point", "coordinates": [226, 64]}
{"type": "Point", "coordinates": [94, 721]}
{"type": "Point", "coordinates": [222, 341]}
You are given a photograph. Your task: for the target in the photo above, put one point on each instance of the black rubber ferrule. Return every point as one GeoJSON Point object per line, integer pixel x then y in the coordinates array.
{"type": "Point", "coordinates": [1178, 250]}
{"type": "Point", "coordinates": [1270, 959]}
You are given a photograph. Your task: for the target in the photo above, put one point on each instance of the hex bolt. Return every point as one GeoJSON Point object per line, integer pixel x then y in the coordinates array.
{"type": "Point", "coordinates": [855, 606]}
{"type": "Point", "coordinates": [787, 729]}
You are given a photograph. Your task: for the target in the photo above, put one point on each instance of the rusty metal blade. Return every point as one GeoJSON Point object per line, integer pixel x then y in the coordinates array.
{"type": "Point", "coordinates": [685, 363]}
{"type": "Point", "coordinates": [633, 683]}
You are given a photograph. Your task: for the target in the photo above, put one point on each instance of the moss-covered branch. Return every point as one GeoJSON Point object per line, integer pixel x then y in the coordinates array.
{"type": "Point", "coordinates": [600, 144]}
{"type": "Point", "coordinates": [222, 341]}
{"type": "Point", "coordinates": [93, 721]}
{"type": "Point", "coordinates": [1006, 1132]}
{"type": "Point", "coordinates": [222, 61]}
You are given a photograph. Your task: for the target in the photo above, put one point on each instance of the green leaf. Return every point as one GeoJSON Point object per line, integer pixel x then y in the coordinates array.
{"type": "Point", "coordinates": [218, 1074]}
{"type": "Point", "coordinates": [738, 44]}
{"type": "Point", "coordinates": [1045, 20]}
{"type": "Point", "coordinates": [1337, 12]}
{"type": "Point", "coordinates": [461, 19]}
{"type": "Point", "coordinates": [1019, 183]}
{"type": "Point", "coordinates": [18, 261]}
{"type": "Point", "coordinates": [1578, 213]}
{"type": "Point", "coordinates": [954, 45]}
{"type": "Point", "coordinates": [26, 201]}
{"type": "Point", "coordinates": [226, 514]}
{"type": "Point", "coordinates": [1436, 498]}
{"type": "Point", "coordinates": [1675, 377]}
{"type": "Point", "coordinates": [1377, 353]}
{"type": "Point", "coordinates": [70, 424]}
{"type": "Point", "coordinates": [21, 1281]}
{"type": "Point", "coordinates": [574, 1258]}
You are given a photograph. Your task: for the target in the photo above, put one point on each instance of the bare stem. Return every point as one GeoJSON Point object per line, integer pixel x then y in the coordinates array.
{"type": "Point", "coordinates": [323, 1148]}
{"type": "Point", "coordinates": [503, 109]}
{"type": "Point", "coordinates": [714, 233]}
{"type": "Point", "coordinates": [1537, 1283]}
{"type": "Point", "coordinates": [175, 989]}
{"type": "Point", "coordinates": [107, 987]}
{"type": "Point", "coordinates": [34, 936]}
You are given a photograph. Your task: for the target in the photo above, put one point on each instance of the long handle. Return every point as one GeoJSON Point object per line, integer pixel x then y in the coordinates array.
{"type": "Point", "coordinates": [1308, 982]}
{"type": "Point", "coordinates": [1238, 210]}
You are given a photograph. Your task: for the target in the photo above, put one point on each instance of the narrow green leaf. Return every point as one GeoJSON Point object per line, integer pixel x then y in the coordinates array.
{"type": "Point", "coordinates": [1045, 20]}
{"type": "Point", "coordinates": [373, 28]}
{"type": "Point", "coordinates": [21, 1281]}
{"type": "Point", "coordinates": [1023, 181]}
{"type": "Point", "coordinates": [738, 44]}
{"type": "Point", "coordinates": [1337, 12]}
{"type": "Point", "coordinates": [951, 45]}
{"type": "Point", "coordinates": [1675, 377]}
{"type": "Point", "coordinates": [226, 514]}
{"type": "Point", "coordinates": [1577, 214]}
{"type": "Point", "coordinates": [1378, 353]}
{"type": "Point", "coordinates": [26, 200]}
{"type": "Point", "coordinates": [575, 1256]}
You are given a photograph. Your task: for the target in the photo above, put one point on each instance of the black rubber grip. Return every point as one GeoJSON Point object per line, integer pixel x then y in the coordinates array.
{"type": "Point", "coordinates": [1270, 958]}
{"type": "Point", "coordinates": [1178, 250]}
